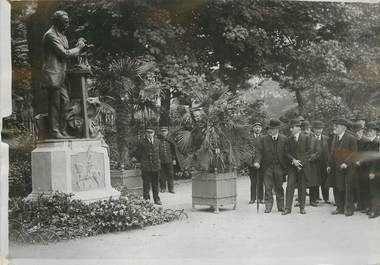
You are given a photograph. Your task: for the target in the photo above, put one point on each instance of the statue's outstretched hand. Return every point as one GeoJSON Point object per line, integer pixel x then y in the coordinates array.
{"type": "Point", "coordinates": [81, 43]}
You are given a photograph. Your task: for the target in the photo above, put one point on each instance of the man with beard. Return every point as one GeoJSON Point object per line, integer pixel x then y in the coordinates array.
{"type": "Point", "coordinates": [298, 152]}
{"type": "Point", "coordinates": [319, 165]}
{"type": "Point", "coordinates": [271, 157]}
{"type": "Point", "coordinates": [56, 54]}
{"type": "Point", "coordinates": [341, 165]}
{"type": "Point", "coordinates": [255, 174]}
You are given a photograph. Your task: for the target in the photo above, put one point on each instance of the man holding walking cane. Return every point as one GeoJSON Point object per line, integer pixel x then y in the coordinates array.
{"type": "Point", "coordinates": [341, 167]}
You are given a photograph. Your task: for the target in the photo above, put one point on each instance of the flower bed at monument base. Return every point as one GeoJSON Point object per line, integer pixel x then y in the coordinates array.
{"type": "Point", "coordinates": [57, 217]}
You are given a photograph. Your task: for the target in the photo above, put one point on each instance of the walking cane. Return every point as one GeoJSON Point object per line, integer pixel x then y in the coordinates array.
{"type": "Point", "coordinates": [257, 190]}
{"type": "Point", "coordinates": [346, 190]}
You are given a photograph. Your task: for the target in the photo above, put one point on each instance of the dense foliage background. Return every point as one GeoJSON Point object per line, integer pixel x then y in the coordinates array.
{"type": "Point", "coordinates": [324, 55]}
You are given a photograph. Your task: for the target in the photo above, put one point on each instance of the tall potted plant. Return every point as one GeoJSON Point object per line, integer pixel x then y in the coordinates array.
{"type": "Point", "coordinates": [135, 93]}
{"type": "Point", "coordinates": [215, 132]}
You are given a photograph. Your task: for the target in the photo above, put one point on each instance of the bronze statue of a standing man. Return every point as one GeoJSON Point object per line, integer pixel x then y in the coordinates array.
{"type": "Point", "coordinates": [56, 54]}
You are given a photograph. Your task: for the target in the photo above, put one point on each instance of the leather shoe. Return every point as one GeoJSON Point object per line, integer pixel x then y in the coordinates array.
{"type": "Point", "coordinates": [373, 215]}
{"type": "Point", "coordinates": [251, 202]}
{"type": "Point", "coordinates": [267, 211]}
{"type": "Point", "coordinates": [281, 209]}
{"type": "Point", "coordinates": [261, 201]}
{"type": "Point", "coordinates": [64, 133]}
{"type": "Point", "coordinates": [171, 191]}
{"type": "Point", "coordinates": [158, 202]}
{"type": "Point", "coordinates": [302, 211]}
{"type": "Point", "coordinates": [349, 213]}
{"type": "Point", "coordinates": [285, 212]}
{"type": "Point", "coordinates": [327, 202]}
{"type": "Point", "coordinates": [336, 212]}
{"type": "Point", "coordinates": [58, 135]}
{"type": "Point", "coordinates": [314, 204]}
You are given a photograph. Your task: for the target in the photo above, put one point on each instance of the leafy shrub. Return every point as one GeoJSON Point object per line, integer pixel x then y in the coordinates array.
{"type": "Point", "coordinates": [59, 216]}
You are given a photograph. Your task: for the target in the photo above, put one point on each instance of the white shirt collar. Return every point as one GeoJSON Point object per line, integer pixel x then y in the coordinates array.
{"type": "Point", "coordinates": [275, 136]}
{"type": "Point", "coordinates": [340, 136]}
{"type": "Point", "coordinates": [297, 136]}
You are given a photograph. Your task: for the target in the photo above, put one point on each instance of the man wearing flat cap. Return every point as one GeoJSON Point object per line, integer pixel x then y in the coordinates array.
{"type": "Point", "coordinates": [299, 152]}
{"type": "Point", "coordinates": [255, 174]}
{"type": "Point", "coordinates": [273, 162]}
{"type": "Point", "coordinates": [319, 165]}
{"type": "Point", "coordinates": [149, 156]}
{"type": "Point", "coordinates": [341, 166]}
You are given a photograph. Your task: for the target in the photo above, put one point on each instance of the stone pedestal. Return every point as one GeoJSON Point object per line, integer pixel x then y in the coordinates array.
{"type": "Point", "coordinates": [78, 166]}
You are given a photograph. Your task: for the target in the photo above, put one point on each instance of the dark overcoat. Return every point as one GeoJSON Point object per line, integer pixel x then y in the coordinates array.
{"type": "Point", "coordinates": [300, 150]}
{"type": "Point", "coordinates": [343, 151]}
{"type": "Point", "coordinates": [318, 165]}
{"type": "Point", "coordinates": [174, 152]}
{"type": "Point", "coordinates": [148, 154]}
{"type": "Point", "coordinates": [269, 154]}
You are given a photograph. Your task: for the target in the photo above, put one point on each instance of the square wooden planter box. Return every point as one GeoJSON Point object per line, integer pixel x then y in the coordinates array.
{"type": "Point", "coordinates": [215, 190]}
{"type": "Point", "coordinates": [130, 178]}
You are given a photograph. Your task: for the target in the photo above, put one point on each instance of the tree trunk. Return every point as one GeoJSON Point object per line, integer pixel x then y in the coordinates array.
{"type": "Point", "coordinates": [165, 106]}
{"type": "Point", "coordinates": [300, 102]}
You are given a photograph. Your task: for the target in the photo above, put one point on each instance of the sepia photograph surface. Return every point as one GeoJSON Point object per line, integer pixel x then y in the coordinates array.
{"type": "Point", "coordinates": [190, 132]}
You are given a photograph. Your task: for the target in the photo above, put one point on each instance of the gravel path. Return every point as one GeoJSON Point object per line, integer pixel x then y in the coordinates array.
{"type": "Point", "coordinates": [231, 237]}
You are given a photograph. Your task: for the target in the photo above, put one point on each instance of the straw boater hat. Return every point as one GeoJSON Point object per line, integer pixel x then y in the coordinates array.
{"type": "Point", "coordinates": [257, 124]}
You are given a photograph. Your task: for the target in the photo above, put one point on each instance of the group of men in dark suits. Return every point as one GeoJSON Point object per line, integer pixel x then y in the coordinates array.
{"type": "Point", "coordinates": [348, 161]}
{"type": "Point", "coordinates": [158, 157]}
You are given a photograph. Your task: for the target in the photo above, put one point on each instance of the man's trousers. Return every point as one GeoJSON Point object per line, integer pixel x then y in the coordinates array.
{"type": "Point", "coordinates": [295, 180]}
{"type": "Point", "coordinates": [150, 178]}
{"type": "Point", "coordinates": [273, 179]}
{"type": "Point", "coordinates": [166, 176]}
{"type": "Point", "coordinates": [58, 101]}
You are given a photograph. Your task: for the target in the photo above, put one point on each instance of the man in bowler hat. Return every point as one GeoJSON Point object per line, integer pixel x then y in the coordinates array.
{"type": "Point", "coordinates": [341, 165]}
{"type": "Point", "coordinates": [319, 165]}
{"type": "Point", "coordinates": [298, 151]}
{"type": "Point", "coordinates": [271, 158]}
{"type": "Point", "coordinates": [373, 166]}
